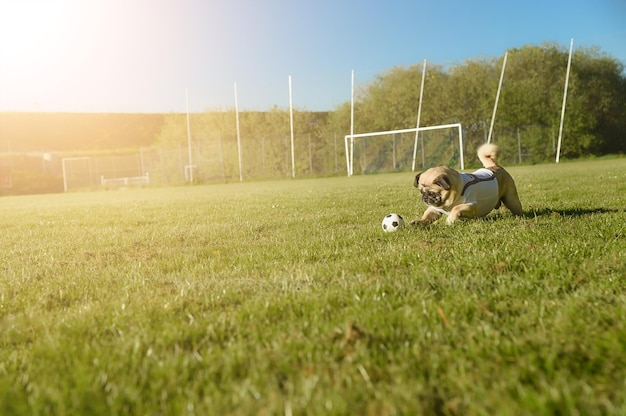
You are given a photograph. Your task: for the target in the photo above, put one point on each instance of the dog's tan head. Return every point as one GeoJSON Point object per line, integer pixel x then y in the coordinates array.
{"type": "Point", "coordinates": [439, 186]}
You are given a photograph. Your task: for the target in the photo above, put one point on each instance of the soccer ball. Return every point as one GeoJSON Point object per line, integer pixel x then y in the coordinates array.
{"type": "Point", "coordinates": [392, 222]}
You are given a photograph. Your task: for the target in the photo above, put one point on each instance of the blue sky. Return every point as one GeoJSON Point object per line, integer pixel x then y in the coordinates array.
{"type": "Point", "coordinates": [141, 55]}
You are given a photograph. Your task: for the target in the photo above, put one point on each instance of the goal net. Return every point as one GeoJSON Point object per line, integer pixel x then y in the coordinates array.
{"type": "Point", "coordinates": [92, 172]}
{"type": "Point", "coordinates": [406, 149]}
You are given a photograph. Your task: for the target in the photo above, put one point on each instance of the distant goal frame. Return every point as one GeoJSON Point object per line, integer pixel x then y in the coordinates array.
{"type": "Point", "coordinates": [349, 142]}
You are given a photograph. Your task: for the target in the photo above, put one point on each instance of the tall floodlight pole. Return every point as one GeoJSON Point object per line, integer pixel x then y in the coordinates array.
{"type": "Point", "coordinates": [238, 136]}
{"type": "Point", "coordinates": [293, 155]}
{"type": "Point", "coordinates": [189, 137]}
{"type": "Point", "coordinates": [495, 107]}
{"type": "Point", "coordinates": [419, 114]}
{"type": "Point", "coordinates": [569, 64]}
{"type": "Point", "coordinates": [351, 162]}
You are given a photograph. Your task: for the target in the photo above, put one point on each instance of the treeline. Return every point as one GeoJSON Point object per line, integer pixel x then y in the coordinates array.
{"type": "Point", "coordinates": [54, 132]}
{"type": "Point", "coordinates": [265, 143]}
{"type": "Point", "coordinates": [526, 125]}
{"type": "Point", "coordinates": [530, 101]}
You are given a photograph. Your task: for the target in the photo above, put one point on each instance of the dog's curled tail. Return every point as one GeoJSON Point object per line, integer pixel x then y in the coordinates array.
{"type": "Point", "coordinates": [488, 155]}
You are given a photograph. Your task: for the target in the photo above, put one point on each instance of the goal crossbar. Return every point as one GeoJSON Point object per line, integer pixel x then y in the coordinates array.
{"type": "Point", "coordinates": [349, 141]}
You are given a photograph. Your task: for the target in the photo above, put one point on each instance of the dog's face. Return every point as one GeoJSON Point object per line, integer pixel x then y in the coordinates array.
{"type": "Point", "coordinates": [439, 186]}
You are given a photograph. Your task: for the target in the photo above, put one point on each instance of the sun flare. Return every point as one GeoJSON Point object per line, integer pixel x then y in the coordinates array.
{"type": "Point", "coordinates": [29, 28]}
{"type": "Point", "coordinates": [36, 42]}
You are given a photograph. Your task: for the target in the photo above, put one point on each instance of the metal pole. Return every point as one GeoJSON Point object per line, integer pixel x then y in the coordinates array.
{"type": "Point", "coordinates": [569, 64]}
{"type": "Point", "coordinates": [239, 155]}
{"type": "Point", "coordinates": [64, 175]}
{"type": "Point", "coordinates": [345, 142]}
{"type": "Point", "coordinates": [419, 114]}
{"type": "Point", "coordinates": [461, 146]}
{"type": "Point", "coordinates": [293, 157]}
{"type": "Point", "coordinates": [495, 107]}
{"type": "Point", "coordinates": [351, 167]}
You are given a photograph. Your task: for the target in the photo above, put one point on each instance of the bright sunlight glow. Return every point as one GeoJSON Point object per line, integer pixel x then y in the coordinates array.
{"type": "Point", "coordinates": [39, 47]}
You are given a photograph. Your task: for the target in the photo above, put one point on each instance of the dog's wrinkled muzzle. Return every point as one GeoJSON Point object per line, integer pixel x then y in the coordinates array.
{"type": "Point", "coordinates": [432, 198]}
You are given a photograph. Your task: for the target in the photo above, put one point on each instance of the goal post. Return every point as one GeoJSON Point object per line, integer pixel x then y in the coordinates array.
{"type": "Point", "coordinates": [92, 172]}
{"type": "Point", "coordinates": [77, 169]}
{"type": "Point", "coordinates": [349, 140]}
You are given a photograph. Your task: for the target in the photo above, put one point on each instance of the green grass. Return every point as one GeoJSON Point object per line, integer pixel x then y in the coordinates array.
{"type": "Point", "coordinates": [286, 297]}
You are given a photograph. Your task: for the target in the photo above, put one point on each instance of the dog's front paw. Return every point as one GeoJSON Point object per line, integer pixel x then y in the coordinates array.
{"type": "Point", "coordinates": [451, 219]}
{"type": "Point", "coordinates": [422, 222]}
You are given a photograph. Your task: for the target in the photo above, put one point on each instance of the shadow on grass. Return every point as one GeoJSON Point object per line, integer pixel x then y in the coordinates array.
{"type": "Point", "coordinates": [567, 212]}
{"type": "Point", "coordinates": [530, 214]}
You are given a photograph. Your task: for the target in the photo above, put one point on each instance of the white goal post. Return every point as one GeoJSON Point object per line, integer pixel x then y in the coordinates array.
{"type": "Point", "coordinates": [349, 142]}
{"type": "Point", "coordinates": [68, 172]}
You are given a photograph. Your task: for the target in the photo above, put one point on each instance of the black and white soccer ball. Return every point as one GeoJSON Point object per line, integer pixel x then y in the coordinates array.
{"type": "Point", "coordinates": [392, 223]}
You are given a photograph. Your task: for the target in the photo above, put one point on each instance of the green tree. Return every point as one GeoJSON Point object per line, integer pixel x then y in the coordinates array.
{"type": "Point", "coordinates": [526, 126]}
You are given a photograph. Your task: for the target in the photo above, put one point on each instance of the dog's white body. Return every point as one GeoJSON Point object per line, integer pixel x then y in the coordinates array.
{"type": "Point", "coordinates": [480, 188]}
{"type": "Point", "coordinates": [467, 195]}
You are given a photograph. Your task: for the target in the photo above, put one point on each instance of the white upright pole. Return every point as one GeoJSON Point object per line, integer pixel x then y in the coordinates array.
{"type": "Point", "coordinates": [461, 147]}
{"type": "Point", "coordinates": [293, 157]}
{"type": "Point", "coordinates": [351, 164]}
{"type": "Point", "coordinates": [345, 140]}
{"type": "Point", "coordinates": [64, 175]}
{"type": "Point", "coordinates": [189, 137]}
{"type": "Point", "coordinates": [495, 107]}
{"type": "Point", "coordinates": [569, 64]}
{"type": "Point", "coordinates": [419, 114]}
{"type": "Point", "coordinates": [239, 154]}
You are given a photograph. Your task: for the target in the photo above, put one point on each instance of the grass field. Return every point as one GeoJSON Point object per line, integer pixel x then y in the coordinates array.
{"type": "Point", "coordinates": [287, 298]}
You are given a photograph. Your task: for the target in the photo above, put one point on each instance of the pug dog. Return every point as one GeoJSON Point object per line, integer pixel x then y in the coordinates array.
{"type": "Point", "coordinates": [467, 195]}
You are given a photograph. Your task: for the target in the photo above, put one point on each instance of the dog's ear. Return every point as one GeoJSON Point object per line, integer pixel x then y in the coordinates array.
{"type": "Point", "coordinates": [443, 181]}
{"type": "Point", "coordinates": [417, 180]}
